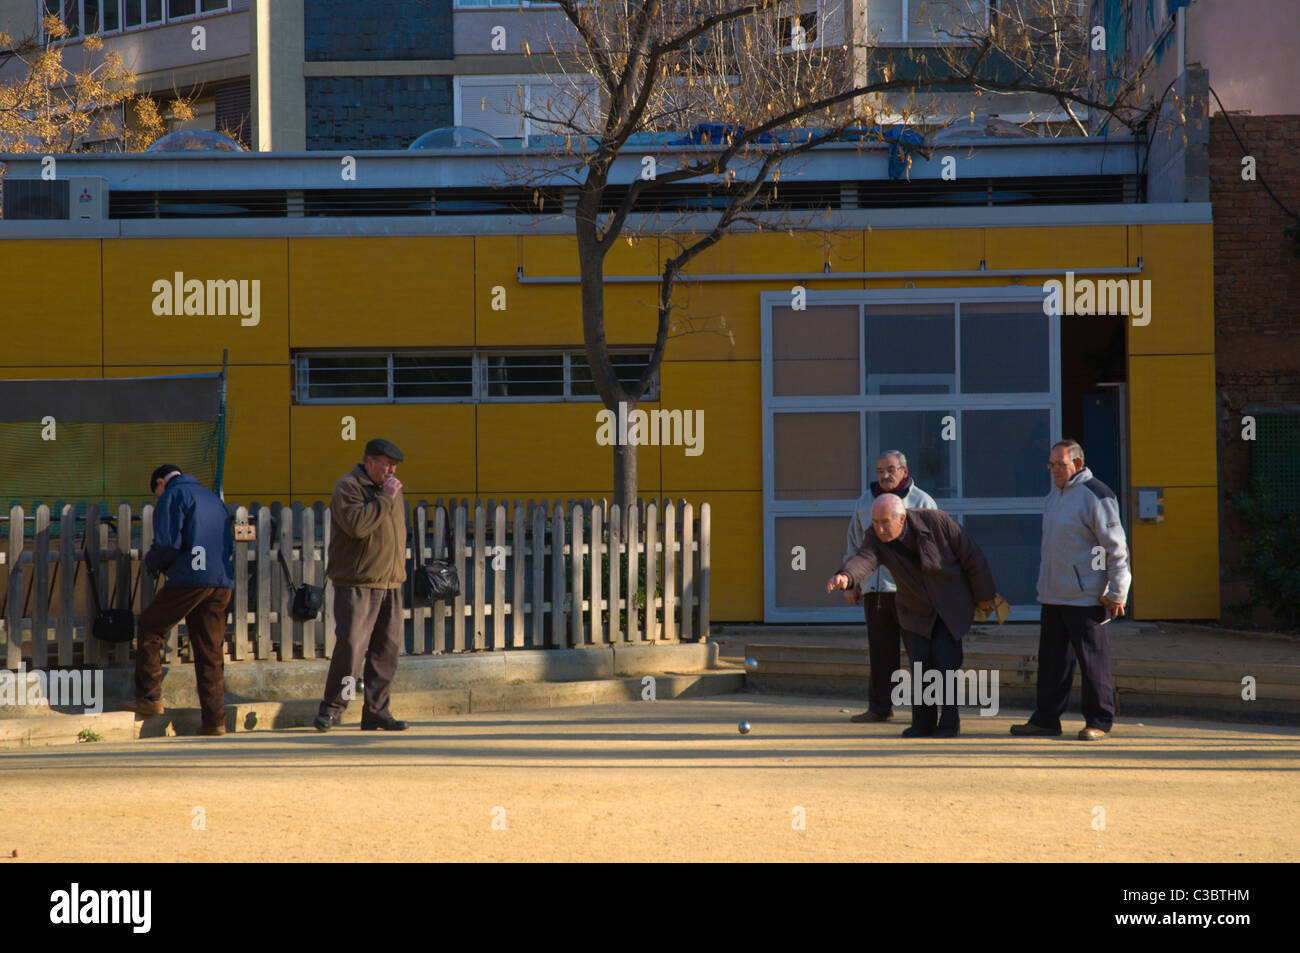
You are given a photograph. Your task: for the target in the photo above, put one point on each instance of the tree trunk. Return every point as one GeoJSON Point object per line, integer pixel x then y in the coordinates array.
{"type": "Point", "coordinates": [624, 475]}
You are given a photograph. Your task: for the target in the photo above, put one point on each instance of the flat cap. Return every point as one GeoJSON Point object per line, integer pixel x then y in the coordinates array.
{"type": "Point", "coordinates": [383, 448]}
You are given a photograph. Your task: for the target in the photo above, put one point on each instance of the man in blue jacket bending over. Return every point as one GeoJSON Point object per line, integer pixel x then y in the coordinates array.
{"type": "Point", "coordinates": [194, 544]}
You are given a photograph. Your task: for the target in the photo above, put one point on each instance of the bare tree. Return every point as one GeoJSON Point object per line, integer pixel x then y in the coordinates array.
{"type": "Point", "coordinates": [771, 84]}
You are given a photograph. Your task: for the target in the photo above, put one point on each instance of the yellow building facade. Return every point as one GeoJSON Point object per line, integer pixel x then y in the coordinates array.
{"type": "Point", "coordinates": [87, 311]}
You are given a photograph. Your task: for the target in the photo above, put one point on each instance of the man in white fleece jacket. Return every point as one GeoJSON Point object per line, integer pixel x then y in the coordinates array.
{"type": "Point", "coordinates": [1083, 582]}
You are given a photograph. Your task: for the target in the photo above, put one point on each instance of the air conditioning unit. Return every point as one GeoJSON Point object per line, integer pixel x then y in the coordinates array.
{"type": "Point", "coordinates": [81, 198]}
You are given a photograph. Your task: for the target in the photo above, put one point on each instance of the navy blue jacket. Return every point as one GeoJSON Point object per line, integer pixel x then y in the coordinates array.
{"type": "Point", "coordinates": [190, 515]}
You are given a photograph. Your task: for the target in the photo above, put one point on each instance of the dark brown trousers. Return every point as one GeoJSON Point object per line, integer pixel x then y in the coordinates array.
{"type": "Point", "coordinates": [883, 639]}
{"type": "Point", "coordinates": [368, 626]}
{"type": "Point", "coordinates": [204, 612]}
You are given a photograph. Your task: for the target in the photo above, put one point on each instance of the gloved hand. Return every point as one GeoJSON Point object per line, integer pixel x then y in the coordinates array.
{"type": "Point", "coordinates": [1000, 608]}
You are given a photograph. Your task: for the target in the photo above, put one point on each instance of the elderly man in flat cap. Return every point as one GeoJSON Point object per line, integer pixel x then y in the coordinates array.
{"type": "Point", "coordinates": [367, 557]}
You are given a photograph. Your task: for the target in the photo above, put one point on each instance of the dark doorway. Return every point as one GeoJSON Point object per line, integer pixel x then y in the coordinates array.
{"type": "Point", "coordinates": [1093, 396]}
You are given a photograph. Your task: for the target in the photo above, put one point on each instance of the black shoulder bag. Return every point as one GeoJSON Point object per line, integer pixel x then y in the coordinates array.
{"type": "Point", "coordinates": [307, 599]}
{"type": "Point", "coordinates": [436, 580]}
{"type": "Point", "coordinates": [110, 625]}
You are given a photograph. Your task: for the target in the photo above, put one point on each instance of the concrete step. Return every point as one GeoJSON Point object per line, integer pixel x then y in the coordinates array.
{"type": "Point", "coordinates": [416, 706]}
{"type": "Point", "coordinates": [59, 729]}
{"type": "Point", "coordinates": [1142, 687]}
{"type": "Point", "coordinates": [258, 681]}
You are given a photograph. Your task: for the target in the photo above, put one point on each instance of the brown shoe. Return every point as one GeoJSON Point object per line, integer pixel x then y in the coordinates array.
{"type": "Point", "coordinates": [1029, 728]}
{"type": "Point", "coordinates": [1092, 734]}
{"type": "Point", "coordinates": [142, 706]}
{"type": "Point", "coordinates": [871, 716]}
{"type": "Point", "coordinates": [212, 730]}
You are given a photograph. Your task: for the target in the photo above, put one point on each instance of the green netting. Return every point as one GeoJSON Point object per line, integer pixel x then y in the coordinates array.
{"type": "Point", "coordinates": [1275, 459]}
{"type": "Point", "coordinates": [106, 461]}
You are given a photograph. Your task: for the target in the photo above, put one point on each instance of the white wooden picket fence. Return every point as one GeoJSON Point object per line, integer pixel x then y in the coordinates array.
{"type": "Point", "coordinates": [546, 574]}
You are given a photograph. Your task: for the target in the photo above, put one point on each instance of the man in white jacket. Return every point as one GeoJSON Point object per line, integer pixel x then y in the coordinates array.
{"type": "Point", "coordinates": [877, 593]}
{"type": "Point", "coordinates": [1083, 583]}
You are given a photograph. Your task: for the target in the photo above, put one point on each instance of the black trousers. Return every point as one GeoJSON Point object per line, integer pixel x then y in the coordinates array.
{"type": "Point", "coordinates": [883, 639]}
{"type": "Point", "coordinates": [1068, 633]}
{"type": "Point", "coordinates": [942, 651]}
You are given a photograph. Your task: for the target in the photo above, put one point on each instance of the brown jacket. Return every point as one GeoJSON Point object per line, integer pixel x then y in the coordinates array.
{"type": "Point", "coordinates": [952, 577]}
{"type": "Point", "coordinates": [367, 534]}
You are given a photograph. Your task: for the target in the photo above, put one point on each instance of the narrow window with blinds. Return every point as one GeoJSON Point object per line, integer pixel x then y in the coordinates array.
{"type": "Point", "coordinates": [489, 375]}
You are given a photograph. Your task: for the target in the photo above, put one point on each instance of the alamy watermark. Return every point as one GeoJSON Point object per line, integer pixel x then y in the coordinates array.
{"type": "Point", "coordinates": [75, 906]}
{"type": "Point", "coordinates": [76, 688]}
{"type": "Point", "coordinates": [1088, 296]}
{"type": "Point", "coordinates": [675, 428]}
{"type": "Point", "coordinates": [215, 297]}
{"type": "Point", "coordinates": [974, 687]}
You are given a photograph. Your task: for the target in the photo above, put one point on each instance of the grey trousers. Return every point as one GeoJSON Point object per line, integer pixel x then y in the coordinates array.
{"type": "Point", "coordinates": [368, 626]}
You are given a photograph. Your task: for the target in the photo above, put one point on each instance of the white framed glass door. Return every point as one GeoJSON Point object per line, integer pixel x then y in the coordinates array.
{"type": "Point", "coordinates": [965, 381]}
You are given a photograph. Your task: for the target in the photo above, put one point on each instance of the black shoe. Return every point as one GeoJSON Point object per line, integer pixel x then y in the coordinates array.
{"type": "Point", "coordinates": [915, 732]}
{"type": "Point", "coordinates": [947, 731]}
{"type": "Point", "coordinates": [1029, 728]}
{"type": "Point", "coordinates": [390, 724]}
{"type": "Point", "coordinates": [324, 722]}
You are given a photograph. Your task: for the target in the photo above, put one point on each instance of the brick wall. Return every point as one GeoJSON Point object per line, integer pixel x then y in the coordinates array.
{"type": "Point", "coordinates": [377, 30]}
{"type": "Point", "coordinates": [1256, 296]}
{"type": "Point", "coordinates": [375, 112]}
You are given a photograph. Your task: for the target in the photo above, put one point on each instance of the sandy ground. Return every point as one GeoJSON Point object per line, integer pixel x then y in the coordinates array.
{"type": "Point", "coordinates": [662, 781]}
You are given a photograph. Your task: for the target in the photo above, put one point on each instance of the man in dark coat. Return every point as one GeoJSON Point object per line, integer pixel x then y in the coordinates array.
{"type": "Point", "coordinates": [941, 576]}
{"type": "Point", "coordinates": [194, 545]}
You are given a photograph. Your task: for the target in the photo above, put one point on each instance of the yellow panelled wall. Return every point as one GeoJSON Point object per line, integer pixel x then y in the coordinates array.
{"type": "Point", "coordinates": [385, 292]}
{"type": "Point", "coordinates": [60, 325]}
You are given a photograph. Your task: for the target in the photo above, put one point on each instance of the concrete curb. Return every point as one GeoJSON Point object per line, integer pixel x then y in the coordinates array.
{"type": "Point", "coordinates": [261, 681]}
{"type": "Point", "coordinates": [417, 706]}
{"type": "Point", "coordinates": [56, 729]}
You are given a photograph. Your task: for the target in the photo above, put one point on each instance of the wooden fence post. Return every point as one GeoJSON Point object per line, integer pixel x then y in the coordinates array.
{"type": "Point", "coordinates": [559, 619]}
{"type": "Point", "coordinates": [633, 525]}
{"type": "Point", "coordinates": [90, 545]}
{"type": "Point", "coordinates": [518, 575]}
{"type": "Point", "coordinates": [438, 611]}
{"type": "Point", "coordinates": [123, 577]}
{"type": "Point", "coordinates": [41, 588]}
{"type": "Point", "coordinates": [498, 575]}
{"type": "Point", "coordinates": [67, 584]}
{"type": "Point", "coordinates": [239, 598]}
{"type": "Point", "coordinates": [14, 599]}
{"type": "Point", "coordinates": [307, 532]}
{"type": "Point", "coordinates": [670, 572]}
{"type": "Point", "coordinates": [327, 609]}
{"type": "Point", "coordinates": [537, 624]}
{"type": "Point", "coordinates": [458, 560]}
{"type": "Point", "coordinates": [575, 574]}
{"type": "Point", "coordinates": [285, 588]}
{"type": "Point", "coordinates": [651, 570]}
{"type": "Point", "coordinates": [688, 570]}
{"type": "Point", "coordinates": [480, 576]}
{"type": "Point", "coordinates": [262, 607]}
{"type": "Point", "coordinates": [419, 610]}
{"type": "Point", "coordinates": [595, 549]}
{"type": "Point", "coordinates": [704, 572]}
{"type": "Point", "coordinates": [615, 571]}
